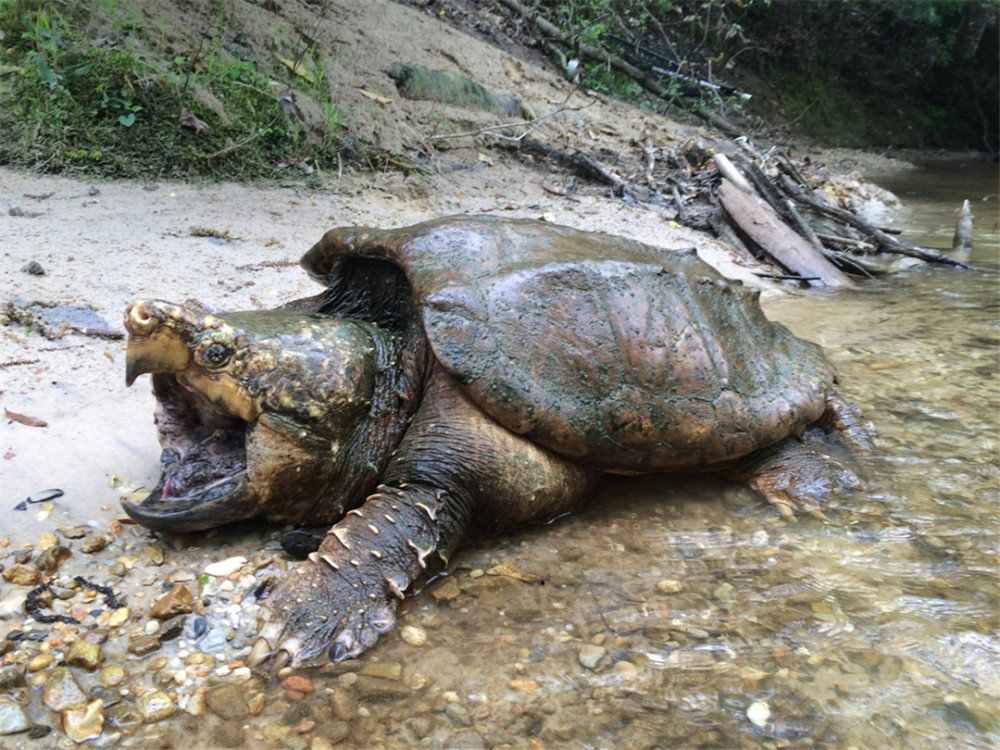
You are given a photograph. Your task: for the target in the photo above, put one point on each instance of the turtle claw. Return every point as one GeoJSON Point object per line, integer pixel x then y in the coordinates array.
{"type": "Point", "coordinates": [317, 611]}
{"type": "Point", "coordinates": [260, 652]}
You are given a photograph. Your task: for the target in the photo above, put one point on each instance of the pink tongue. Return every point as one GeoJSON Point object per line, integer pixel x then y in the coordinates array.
{"type": "Point", "coordinates": [168, 487]}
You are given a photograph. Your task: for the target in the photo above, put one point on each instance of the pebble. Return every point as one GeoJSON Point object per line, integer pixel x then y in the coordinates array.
{"type": "Point", "coordinates": [227, 701]}
{"type": "Point", "coordinates": [13, 719]}
{"type": "Point", "coordinates": [172, 628]}
{"type": "Point", "coordinates": [123, 716]}
{"type": "Point", "coordinates": [84, 655]}
{"type": "Point", "coordinates": [669, 586]}
{"type": "Point", "coordinates": [758, 713]}
{"type": "Point", "coordinates": [21, 574]}
{"type": "Point", "coordinates": [256, 704]}
{"type": "Point", "coordinates": [298, 683]}
{"type": "Point", "coordinates": [112, 675]}
{"type": "Point", "coordinates": [11, 678]}
{"type": "Point", "coordinates": [214, 641]}
{"type": "Point", "coordinates": [12, 603]}
{"type": "Point", "coordinates": [48, 562]}
{"type": "Point", "coordinates": [413, 635]}
{"type": "Point", "coordinates": [61, 691]}
{"type": "Point", "coordinates": [377, 688]}
{"type": "Point", "coordinates": [85, 723]}
{"type": "Point", "coordinates": [195, 627]}
{"type": "Point", "coordinates": [144, 644]}
{"type": "Point", "coordinates": [590, 655]}
{"type": "Point", "coordinates": [39, 662]}
{"type": "Point", "coordinates": [225, 568]}
{"type": "Point", "coordinates": [175, 602]}
{"type": "Point", "coordinates": [156, 706]}
{"type": "Point", "coordinates": [344, 706]}
{"type": "Point", "coordinates": [118, 617]}
{"type": "Point", "coordinates": [523, 684]}
{"type": "Point", "coordinates": [392, 670]}
{"type": "Point", "coordinates": [724, 592]}
{"type": "Point", "coordinates": [626, 670]}
{"type": "Point", "coordinates": [446, 590]}
{"type": "Point", "coordinates": [93, 544]}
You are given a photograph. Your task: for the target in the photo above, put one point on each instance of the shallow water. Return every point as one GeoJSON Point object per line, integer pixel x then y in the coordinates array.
{"type": "Point", "coordinates": [685, 613]}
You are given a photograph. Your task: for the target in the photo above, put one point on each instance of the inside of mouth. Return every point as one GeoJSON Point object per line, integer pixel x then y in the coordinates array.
{"type": "Point", "coordinates": [204, 452]}
{"type": "Point", "coordinates": [206, 468]}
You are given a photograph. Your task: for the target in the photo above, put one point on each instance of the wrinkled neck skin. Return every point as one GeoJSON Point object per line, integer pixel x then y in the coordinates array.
{"type": "Point", "coordinates": [402, 363]}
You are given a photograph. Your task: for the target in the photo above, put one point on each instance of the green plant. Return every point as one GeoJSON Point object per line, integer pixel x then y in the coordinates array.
{"type": "Point", "coordinates": [69, 105]}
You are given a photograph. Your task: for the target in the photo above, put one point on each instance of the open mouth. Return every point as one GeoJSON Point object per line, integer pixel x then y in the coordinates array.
{"type": "Point", "coordinates": [204, 480]}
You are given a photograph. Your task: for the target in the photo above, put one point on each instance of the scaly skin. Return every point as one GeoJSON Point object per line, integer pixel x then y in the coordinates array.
{"type": "Point", "coordinates": [456, 472]}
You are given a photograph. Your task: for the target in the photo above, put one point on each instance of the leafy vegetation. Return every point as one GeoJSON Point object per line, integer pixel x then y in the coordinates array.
{"type": "Point", "coordinates": [76, 96]}
{"type": "Point", "coordinates": [910, 73]}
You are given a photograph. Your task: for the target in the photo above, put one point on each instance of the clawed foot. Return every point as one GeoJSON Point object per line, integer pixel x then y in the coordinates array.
{"type": "Point", "coordinates": [797, 479]}
{"type": "Point", "coordinates": [318, 609]}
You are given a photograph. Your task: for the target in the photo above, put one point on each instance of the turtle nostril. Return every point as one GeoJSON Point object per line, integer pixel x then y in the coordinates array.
{"type": "Point", "coordinates": [139, 320]}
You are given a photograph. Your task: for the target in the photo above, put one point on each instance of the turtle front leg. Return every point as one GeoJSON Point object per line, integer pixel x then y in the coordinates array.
{"type": "Point", "coordinates": [344, 595]}
{"type": "Point", "coordinates": [455, 472]}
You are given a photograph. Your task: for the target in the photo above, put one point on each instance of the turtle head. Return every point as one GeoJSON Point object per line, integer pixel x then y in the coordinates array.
{"type": "Point", "coordinates": [256, 411]}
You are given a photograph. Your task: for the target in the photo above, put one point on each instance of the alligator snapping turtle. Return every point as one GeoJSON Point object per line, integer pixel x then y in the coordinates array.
{"type": "Point", "coordinates": [466, 375]}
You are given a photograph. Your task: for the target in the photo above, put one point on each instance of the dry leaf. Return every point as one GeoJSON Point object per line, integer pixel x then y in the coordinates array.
{"type": "Point", "coordinates": [510, 570]}
{"type": "Point", "coordinates": [375, 97]}
{"type": "Point", "coordinates": [298, 69]}
{"type": "Point", "coordinates": [24, 419]}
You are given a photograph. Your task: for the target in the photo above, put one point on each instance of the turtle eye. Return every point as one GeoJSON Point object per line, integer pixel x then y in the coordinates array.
{"type": "Point", "coordinates": [216, 354]}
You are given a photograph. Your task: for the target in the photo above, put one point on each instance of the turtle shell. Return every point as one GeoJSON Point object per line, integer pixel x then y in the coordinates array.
{"type": "Point", "coordinates": [608, 351]}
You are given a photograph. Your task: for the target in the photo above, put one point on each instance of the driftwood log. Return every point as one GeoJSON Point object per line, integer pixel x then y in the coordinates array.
{"type": "Point", "coordinates": [759, 223]}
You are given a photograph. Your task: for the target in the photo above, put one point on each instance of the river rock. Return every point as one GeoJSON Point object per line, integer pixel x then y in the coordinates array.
{"type": "Point", "coordinates": [344, 706]}
{"type": "Point", "coordinates": [156, 706]}
{"type": "Point", "coordinates": [378, 689]}
{"type": "Point", "coordinates": [227, 701]}
{"type": "Point", "coordinates": [13, 719]}
{"type": "Point", "coordinates": [392, 670]}
{"type": "Point", "coordinates": [12, 677]}
{"type": "Point", "coordinates": [61, 690]}
{"type": "Point", "coordinates": [52, 557]}
{"type": "Point", "coordinates": [224, 568]}
{"type": "Point", "coordinates": [590, 655]}
{"type": "Point", "coordinates": [85, 723]}
{"type": "Point", "coordinates": [415, 636]}
{"type": "Point", "coordinates": [21, 574]}
{"type": "Point", "coordinates": [84, 655]}
{"type": "Point", "coordinates": [92, 544]}
{"type": "Point", "coordinates": [175, 602]}
{"type": "Point", "coordinates": [12, 603]}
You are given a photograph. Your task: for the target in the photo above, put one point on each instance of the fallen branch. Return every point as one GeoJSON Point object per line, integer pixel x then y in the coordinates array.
{"type": "Point", "coordinates": [588, 167]}
{"type": "Point", "coordinates": [497, 130]}
{"type": "Point", "coordinates": [886, 242]}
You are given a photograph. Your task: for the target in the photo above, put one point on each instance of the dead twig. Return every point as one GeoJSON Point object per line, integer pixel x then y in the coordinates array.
{"type": "Point", "coordinates": [531, 125]}
{"type": "Point", "coordinates": [245, 142]}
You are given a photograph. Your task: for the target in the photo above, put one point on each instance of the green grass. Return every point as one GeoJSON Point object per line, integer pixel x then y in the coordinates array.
{"type": "Point", "coordinates": [70, 106]}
